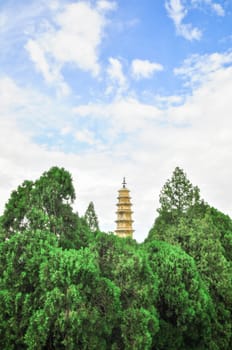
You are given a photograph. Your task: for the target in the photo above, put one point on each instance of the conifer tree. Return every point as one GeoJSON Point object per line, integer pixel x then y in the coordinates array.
{"type": "Point", "coordinates": [91, 218]}
{"type": "Point", "coordinates": [178, 194]}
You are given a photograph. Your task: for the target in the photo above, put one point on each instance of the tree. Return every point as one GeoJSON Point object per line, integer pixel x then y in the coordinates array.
{"type": "Point", "coordinates": [43, 204]}
{"type": "Point", "coordinates": [20, 293]}
{"type": "Point", "coordinates": [178, 198]}
{"type": "Point", "coordinates": [206, 235]}
{"type": "Point", "coordinates": [201, 239]}
{"type": "Point", "coordinates": [223, 224]}
{"type": "Point", "coordinates": [66, 285]}
{"type": "Point", "coordinates": [91, 218]}
{"type": "Point", "coordinates": [79, 306]}
{"type": "Point", "coordinates": [127, 266]}
{"type": "Point", "coordinates": [178, 195]}
{"type": "Point", "coordinates": [184, 305]}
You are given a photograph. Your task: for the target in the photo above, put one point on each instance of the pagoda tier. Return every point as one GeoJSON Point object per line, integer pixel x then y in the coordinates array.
{"type": "Point", "coordinates": [124, 213]}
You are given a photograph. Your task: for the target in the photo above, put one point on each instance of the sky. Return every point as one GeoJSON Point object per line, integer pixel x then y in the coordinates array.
{"type": "Point", "coordinates": [108, 89]}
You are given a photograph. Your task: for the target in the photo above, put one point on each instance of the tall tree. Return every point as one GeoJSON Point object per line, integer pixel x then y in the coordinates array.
{"type": "Point", "coordinates": [122, 261]}
{"type": "Point", "coordinates": [91, 218]}
{"type": "Point", "coordinates": [184, 304]}
{"type": "Point", "coordinates": [178, 198]}
{"type": "Point", "coordinates": [43, 204]}
{"type": "Point", "coordinates": [178, 195]}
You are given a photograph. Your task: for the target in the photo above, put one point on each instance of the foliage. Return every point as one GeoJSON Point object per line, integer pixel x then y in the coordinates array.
{"type": "Point", "coordinates": [91, 218]}
{"type": "Point", "coordinates": [128, 267]}
{"type": "Point", "coordinates": [178, 194]}
{"type": "Point", "coordinates": [66, 285]}
{"type": "Point", "coordinates": [43, 204]}
{"type": "Point", "coordinates": [206, 235]}
{"type": "Point", "coordinates": [184, 304]}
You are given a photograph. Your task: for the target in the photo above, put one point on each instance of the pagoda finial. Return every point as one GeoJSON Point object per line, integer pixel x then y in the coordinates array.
{"type": "Point", "coordinates": [124, 182]}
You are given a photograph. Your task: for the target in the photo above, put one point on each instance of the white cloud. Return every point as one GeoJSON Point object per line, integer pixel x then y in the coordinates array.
{"type": "Point", "coordinates": [106, 5]}
{"type": "Point", "coordinates": [9, 95]}
{"type": "Point", "coordinates": [144, 68]}
{"type": "Point", "coordinates": [177, 12]}
{"type": "Point", "coordinates": [85, 136]}
{"type": "Point", "coordinates": [53, 4]}
{"type": "Point", "coordinates": [215, 6]}
{"type": "Point", "coordinates": [67, 129]}
{"type": "Point", "coordinates": [38, 57]}
{"type": "Point", "coordinates": [123, 114]}
{"type": "Point", "coordinates": [3, 21]}
{"type": "Point", "coordinates": [51, 73]}
{"type": "Point", "coordinates": [218, 9]}
{"type": "Point", "coordinates": [74, 39]}
{"type": "Point", "coordinates": [195, 135]}
{"type": "Point", "coordinates": [143, 143]}
{"type": "Point", "coordinates": [197, 69]}
{"type": "Point", "coordinates": [115, 73]}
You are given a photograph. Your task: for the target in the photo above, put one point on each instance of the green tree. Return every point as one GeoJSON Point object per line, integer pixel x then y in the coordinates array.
{"type": "Point", "coordinates": [223, 224]}
{"type": "Point", "coordinates": [51, 298]}
{"type": "Point", "coordinates": [20, 294]}
{"type": "Point", "coordinates": [44, 204]}
{"type": "Point", "coordinates": [91, 218]}
{"type": "Point", "coordinates": [201, 239]}
{"type": "Point", "coordinates": [80, 307]}
{"type": "Point", "coordinates": [177, 196]}
{"type": "Point", "coordinates": [184, 304]}
{"type": "Point", "coordinates": [206, 235]}
{"type": "Point", "coordinates": [122, 261]}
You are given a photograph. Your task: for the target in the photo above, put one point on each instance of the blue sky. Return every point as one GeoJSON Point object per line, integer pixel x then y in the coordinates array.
{"type": "Point", "coordinates": [117, 88]}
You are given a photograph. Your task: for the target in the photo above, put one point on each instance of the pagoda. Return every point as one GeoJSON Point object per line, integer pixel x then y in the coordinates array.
{"type": "Point", "coordinates": [124, 213]}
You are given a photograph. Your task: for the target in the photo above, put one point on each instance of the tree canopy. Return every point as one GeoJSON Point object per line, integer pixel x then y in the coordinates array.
{"type": "Point", "coordinates": [91, 218]}
{"type": "Point", "coordinates": [64, 284]}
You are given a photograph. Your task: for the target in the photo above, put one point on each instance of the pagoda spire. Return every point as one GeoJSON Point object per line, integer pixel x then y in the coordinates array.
{"type": "Point", "coordinates": [124, 213]}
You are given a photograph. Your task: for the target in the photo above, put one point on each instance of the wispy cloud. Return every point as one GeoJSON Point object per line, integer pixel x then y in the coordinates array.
{"type": "Point", "coordinates": [177, 12]}
{"type": "Point", "coordinates": [85, 136]}
{"type": "Point", "coordinates": [73, 39]}
{"type": "Point", "coordinates": [50, 72]}
{"type": "Point", "coordinates": [116, 76]}
{"type": "Point", "coordinates": [200, 68]}
{"type": "Point", "coordinates": [106, 5]}
{"type": "Point", "coordinates": [144, 68]}
{"type": "Point", "coordinates": [218, 9]}
{"type": "Point", "coordinates": [214, 6]}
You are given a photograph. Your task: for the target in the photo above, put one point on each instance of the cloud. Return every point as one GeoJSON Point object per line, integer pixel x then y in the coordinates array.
{"type": "Point", "coordinates": [216, 7]}
{"type": "Point", "coordinates": [199, 68]}
{"type": "Point", "coordinates": [177, 12]}
{"type": "Point", "coordinates": [195, 134]}
{"type": "Point", "coordinates": [123, 115]}
{"type": "Point", "coordinates": [72, 38]}
{"type": "Point", "coordinates": [51, 73]}
{"type": "Point", "coordinates": [144, 68]}
{"type": "Point", "coordinates": [115, 73]}
{"type": "Point", "coordinates": [141, 141]}
{"type": "Point", "coordinates": [3, 21]}
{"type": "Point", "coordinates": [106, 5]}
{"type": "Point", "coordinates": [85, 136]}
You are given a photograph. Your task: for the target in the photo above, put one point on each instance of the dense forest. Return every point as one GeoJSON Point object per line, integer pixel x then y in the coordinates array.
{"type": "Point", "coordinates": [64, 284]}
